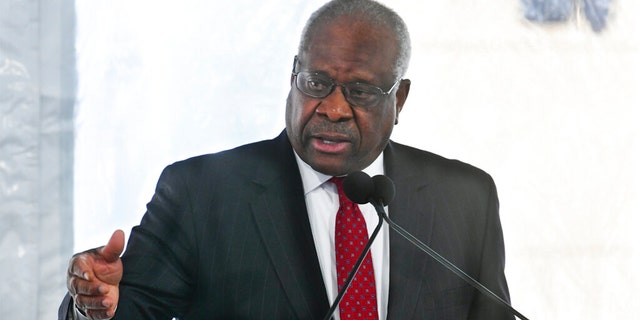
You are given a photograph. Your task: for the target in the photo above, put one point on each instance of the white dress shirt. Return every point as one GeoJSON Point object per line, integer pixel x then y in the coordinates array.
{"type": "Point", "coordinates": [322, 202]}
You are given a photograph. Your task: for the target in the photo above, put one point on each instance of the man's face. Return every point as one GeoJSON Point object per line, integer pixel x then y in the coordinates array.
{"type": "Point", "coordinates": [331, 135]}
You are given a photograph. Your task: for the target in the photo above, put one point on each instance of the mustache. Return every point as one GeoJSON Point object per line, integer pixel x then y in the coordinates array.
{"type": "Point", "coordinates": [320, 127]}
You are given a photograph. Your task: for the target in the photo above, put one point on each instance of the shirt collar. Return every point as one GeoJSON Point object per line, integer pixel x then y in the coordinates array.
{"type": "Point", "coordinates": [311, 179]}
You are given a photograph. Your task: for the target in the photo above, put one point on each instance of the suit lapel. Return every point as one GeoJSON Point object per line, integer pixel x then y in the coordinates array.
{"type": "Point", "coordinates": [280, 214]}
{"type": "Point", "coordinates": [281, 217]}
{"type": "Point", "coordinates": [411, 211]}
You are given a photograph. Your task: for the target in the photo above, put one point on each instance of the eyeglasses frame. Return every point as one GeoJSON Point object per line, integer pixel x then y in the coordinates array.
{"type": "Point", "coordinates": [335, 84]}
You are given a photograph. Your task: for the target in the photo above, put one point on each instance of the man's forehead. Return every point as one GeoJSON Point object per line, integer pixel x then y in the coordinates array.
{"type": "Point", "coordinates": [333, 60]}
{"type": "Point", "coordinates": [359, 65]}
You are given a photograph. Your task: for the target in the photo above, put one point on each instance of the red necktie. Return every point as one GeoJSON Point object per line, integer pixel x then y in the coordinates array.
{"type": "Point", "coordinates": [359, 302]}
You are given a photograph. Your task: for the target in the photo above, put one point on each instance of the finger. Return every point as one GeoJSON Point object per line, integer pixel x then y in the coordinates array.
{"type": "Point", "coordinates": [85, 302]}
{"type": "Point", "coordinates": [100, 314]}
{"type": "Point", "coordinates": [111, 252]}
{"type": "Point", "coordinates": [79, 266]}
{"type": "Point", "coordinates": [96, 309]}
{"type": "Point", "coordinates": [89, 288]}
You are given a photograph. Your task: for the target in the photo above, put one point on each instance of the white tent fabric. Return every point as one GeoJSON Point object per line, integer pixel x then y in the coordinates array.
{"type": "Point", "coordinates": [37, 94]}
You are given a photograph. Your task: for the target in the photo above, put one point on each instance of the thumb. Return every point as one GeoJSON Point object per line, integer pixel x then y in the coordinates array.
{"type": "Point", "coordinates": [111, 252]}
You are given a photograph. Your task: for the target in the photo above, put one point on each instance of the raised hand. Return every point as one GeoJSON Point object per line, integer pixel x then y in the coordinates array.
{"type": "Point", "coordinates": [93, 278]}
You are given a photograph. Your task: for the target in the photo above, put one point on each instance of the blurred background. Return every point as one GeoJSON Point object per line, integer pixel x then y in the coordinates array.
{"type": "Point", "coordinates": [97, 97]}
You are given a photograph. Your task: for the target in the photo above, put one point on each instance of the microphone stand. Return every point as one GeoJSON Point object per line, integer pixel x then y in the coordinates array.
{"type": "Point", "coordinates": [432, 253]}
{"type": "Point", "coordinates": [354, 270]}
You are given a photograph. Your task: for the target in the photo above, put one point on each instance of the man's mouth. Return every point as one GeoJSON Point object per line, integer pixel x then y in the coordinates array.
{"type": "Point", "coordinates": [331, 145]}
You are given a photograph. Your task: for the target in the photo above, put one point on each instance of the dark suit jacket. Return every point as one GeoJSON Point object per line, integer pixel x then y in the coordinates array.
{"type": "Point", "coordinates": [227, 236]}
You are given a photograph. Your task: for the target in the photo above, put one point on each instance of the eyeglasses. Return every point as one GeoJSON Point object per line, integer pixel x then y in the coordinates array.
{"type": "Point", "coordinates": [319, 86]}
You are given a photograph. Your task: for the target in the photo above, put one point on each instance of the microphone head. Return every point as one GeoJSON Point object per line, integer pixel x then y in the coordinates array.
{"type": "Point", "coordinates": [358, 187]}
{"type": "Point", "coordinates": [383, 189]}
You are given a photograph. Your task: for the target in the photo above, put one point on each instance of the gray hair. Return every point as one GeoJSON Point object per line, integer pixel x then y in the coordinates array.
{"type": "Point", "coordinates": [370, 11]}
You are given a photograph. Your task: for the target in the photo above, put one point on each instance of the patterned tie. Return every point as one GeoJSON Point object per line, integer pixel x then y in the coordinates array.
{"type": "Point", "coordinates": [359, 302]}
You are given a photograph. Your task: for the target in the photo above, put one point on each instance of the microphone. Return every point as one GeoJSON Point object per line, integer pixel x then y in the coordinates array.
{"type": "Point", "coordinates": [380, 190]}
{"type": "Point", "coordinates": [360, 188]}
{"type": "Point", "coordinates": [384, 189]}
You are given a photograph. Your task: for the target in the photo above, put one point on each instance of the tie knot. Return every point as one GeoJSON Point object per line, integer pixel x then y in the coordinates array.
{"type": "Point", "coordinates": [337, 181]}
{"type": "Point", "coordinates": [342, 197]}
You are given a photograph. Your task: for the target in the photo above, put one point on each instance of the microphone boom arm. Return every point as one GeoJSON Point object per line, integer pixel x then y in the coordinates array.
{"type": "Point", "coordinates": [432, 253]}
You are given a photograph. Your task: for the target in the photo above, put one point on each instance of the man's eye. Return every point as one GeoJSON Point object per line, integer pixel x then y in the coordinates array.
{"type": "Point", "coordinates": [361, 93]}
{"type": "Point", "coordinates": [317, 84]}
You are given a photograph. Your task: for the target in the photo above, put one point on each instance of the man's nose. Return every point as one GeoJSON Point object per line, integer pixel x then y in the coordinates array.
{"type": "Point", "coordinates": [335, 106]}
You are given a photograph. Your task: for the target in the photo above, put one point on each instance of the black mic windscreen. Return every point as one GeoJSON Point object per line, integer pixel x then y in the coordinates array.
{"type": "Point", "coordinates": [358, 187]}
{"type": "Point", "coordinates": [384, 189]}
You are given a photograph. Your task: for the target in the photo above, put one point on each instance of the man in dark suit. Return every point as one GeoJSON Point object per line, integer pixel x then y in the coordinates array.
{"type": "Point", "coordinates": [247, 233]}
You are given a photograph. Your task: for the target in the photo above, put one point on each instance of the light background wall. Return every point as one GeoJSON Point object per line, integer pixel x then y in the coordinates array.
{"type": "Point", "coordinates": [549, 110]}
{"type": "Point", "coordinates": [37, 95]}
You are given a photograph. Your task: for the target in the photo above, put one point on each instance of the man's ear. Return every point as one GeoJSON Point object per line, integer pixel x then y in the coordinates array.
{"type": "Point", "coordinates": [401, 96]}
{"type": "Point", "coordinates": [293, 69]}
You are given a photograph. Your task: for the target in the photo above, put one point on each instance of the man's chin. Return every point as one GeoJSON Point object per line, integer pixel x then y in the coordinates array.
{"type": "Point", "coordinates": [330, 171]}
{"type": "Point", "coordinates": [331, 168]}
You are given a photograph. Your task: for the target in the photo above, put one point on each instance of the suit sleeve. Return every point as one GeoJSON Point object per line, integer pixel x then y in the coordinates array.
{"type": "Point", "coordinates": [158, 278]}
{"type": "Point", "coordinates": [64, 311]}
{"type": "Point", "coordinates": [492, 265]}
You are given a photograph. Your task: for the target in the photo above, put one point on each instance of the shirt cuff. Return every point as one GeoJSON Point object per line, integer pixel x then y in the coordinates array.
{"type": "Point", "coordinates": [74, 313]}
